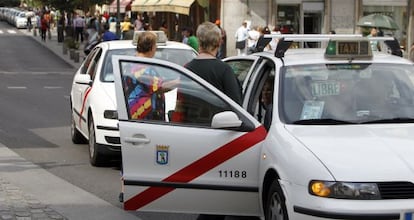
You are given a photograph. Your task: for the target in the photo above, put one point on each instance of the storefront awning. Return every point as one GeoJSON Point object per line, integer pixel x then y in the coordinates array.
{"type": "Point", "coordinates": [123, 4]}
{"type": "Point", "coordinates": [175, 6]}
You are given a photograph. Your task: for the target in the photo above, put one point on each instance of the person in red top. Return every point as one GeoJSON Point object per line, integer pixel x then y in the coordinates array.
{"type": "Point", "coordinates": [44, 25]}
{"type": "Point", "coordinates": [106, 16]}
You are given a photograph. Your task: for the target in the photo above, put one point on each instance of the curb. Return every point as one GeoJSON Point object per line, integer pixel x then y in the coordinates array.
{"type": "Point", "coordinates": [52, 193]}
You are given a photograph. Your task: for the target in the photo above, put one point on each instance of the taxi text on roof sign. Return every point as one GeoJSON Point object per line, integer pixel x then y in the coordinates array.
{"type": "Point", "coordinates": [347, 48]}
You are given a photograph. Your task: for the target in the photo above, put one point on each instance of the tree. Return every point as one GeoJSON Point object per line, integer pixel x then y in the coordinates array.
{"type": "Point", "coordinates": [70, 5]}
{"type": "Point", "coordinates": [9, 3]}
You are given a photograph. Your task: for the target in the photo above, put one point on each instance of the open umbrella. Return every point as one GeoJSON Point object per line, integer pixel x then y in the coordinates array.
{"type": "Point", "coordinates": [378, 21]}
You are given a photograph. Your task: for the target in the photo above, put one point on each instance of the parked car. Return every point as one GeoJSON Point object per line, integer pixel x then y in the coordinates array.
{"type": "Point", "coordinates": [20, 20]}
{"type": "Point", "coordinates": [92, 98]}
{"type": "Point", "coordinates": [339, 144]}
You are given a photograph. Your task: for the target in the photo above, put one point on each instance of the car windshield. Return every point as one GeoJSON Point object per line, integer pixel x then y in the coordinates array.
{"type": "Point", "coordinates": [175, 55]}
{"type": "Point", "coordinates": [347, 94]}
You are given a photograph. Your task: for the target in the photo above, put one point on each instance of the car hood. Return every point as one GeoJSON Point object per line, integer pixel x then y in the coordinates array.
{"type": "Point", "coordinates": [361, 152]}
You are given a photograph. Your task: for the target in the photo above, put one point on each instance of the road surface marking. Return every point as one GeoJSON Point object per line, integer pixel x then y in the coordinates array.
{"type": "Point", "coordinates": [16, 87]}
{"type": "Point", "coordinates": [53, 87]}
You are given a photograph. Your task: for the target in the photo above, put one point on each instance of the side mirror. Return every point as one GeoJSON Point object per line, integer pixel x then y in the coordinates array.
{"type": "Point", "coordinates": [227, 119]}
{"type": "Point", "coordinates": [84, 79]}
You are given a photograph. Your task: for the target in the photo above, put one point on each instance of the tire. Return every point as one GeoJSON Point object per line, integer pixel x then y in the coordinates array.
{"type": "Point", "coordinates": [275, 203]}
{"type": "Point", "coordinates": [76, 136]}
{"type": "Point", "coordinates": [96, 158]}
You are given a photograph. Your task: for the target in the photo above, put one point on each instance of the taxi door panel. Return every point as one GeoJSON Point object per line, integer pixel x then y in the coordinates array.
{"type": "Point", "coordinates": [81, 89]}
{"type": "Point", "coordinates": [179, 163]}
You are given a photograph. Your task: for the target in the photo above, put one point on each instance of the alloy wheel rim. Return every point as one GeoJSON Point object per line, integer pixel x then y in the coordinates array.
{"type": "Point", "coordinates": [276, 211]}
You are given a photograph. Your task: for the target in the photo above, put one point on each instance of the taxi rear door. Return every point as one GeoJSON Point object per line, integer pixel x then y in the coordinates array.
{"type": "Point", "coordinates": [243, 67]}
{"type": "Point", "coordinates": [202, 156]}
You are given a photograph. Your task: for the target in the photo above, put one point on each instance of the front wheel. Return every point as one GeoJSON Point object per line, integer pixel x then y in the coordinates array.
{"type": "Point", "coordinates": [96, 157]}
{"type": "Point", "coordinates": [275, 203]}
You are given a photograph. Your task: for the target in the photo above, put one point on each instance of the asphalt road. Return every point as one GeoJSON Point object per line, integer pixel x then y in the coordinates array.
{"type": "Point", "coordinates": [35, 118]}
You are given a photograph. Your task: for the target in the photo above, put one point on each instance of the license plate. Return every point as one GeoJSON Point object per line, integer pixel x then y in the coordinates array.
{"type": "Point", "coordinates": [407, 216]}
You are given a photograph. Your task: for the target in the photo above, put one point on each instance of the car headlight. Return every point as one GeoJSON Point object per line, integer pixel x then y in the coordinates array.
{"type": "Point", "coordinates": [344, 190]}
{"type": "Point", "coordinates": [110, 114]}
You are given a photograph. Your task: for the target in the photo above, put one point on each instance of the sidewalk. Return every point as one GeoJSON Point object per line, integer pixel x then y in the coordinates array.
{"type": "Point", "coordinates": [28, 192]}
{"type": "Point", "coordinates": [57, 47]}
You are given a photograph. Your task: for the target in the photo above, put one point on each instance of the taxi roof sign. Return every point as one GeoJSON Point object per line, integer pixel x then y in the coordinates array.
{"type": "Point", "coordinates": [161, 37]}
{"type": "Point", "coordinates": [358, 48]}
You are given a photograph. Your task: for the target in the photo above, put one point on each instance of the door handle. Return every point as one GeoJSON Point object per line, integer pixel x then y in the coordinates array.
{"type": "Point", "coordinates": [137, 140]}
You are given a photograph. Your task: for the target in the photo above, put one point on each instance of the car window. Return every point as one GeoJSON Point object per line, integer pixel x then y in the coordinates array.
{"type": "Point", "coordinates": [347, 92]}
{"type": "Point", "coordinates": [240, 68]}
{"type": "Point", "coordinates": [88, 61]}
{"type": "Point", "coordinates": [178, 56]}
{"type": "Point", "coordinates": [158, 93]}
{"type": "Point", "coordinates": [93, 64]}
{"type": "Point", "coordinates": [256, 105]}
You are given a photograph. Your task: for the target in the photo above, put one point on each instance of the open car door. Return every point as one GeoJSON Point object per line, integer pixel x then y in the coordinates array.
{"type": "Point", "coordinates": [186, 147]}
{"type": "Point", "coordinates": [243, 67]}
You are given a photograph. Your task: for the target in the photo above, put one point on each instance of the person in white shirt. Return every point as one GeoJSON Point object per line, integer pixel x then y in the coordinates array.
{"type": "Point", "coordinates": [241, 37]}
{"type": "Point", "coordinates": [79, 25]}
{"type": "Point", "coordinates": [273, 42]}
{"type": "Point", "coordinates": [254, 35]}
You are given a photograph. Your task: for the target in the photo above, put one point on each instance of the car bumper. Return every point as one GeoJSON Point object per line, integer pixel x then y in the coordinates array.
{"type": "Point", "coordinates": [108, 135]}
{"type": "Point", "coordinates": [320, 214]}
{"type": "Point", "coordinates": [110, 150]}
{"type": "Point", "coordinates": [303, 206]}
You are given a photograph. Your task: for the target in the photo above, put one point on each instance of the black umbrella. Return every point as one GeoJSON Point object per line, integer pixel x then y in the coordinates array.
{"type": "Point", "coordinates": [378, 21]}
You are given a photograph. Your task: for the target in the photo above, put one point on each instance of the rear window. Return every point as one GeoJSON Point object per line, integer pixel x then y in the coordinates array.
{"type": "Point", "coordinates": [178, 56]}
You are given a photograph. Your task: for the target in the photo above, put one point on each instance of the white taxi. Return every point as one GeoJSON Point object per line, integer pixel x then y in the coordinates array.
{"type": "Point", "coordinates": [92, 97]}
{"type": "Point", "coordinates": [339, 144]}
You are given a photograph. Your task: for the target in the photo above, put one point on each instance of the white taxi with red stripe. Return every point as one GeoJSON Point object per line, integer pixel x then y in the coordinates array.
{"type": "Point", "coordinates": [335, 142]}
{"type": "Point", "coordinates": [93, 105]}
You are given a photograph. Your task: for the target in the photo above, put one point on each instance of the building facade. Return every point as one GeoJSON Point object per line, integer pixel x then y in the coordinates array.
{"type": "Point", "coordinates": [315, 16]}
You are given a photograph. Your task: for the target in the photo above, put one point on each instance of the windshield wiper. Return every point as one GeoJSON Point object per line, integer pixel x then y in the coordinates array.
{"type": "Point", "coordinates": [390, 120]}
{"type": "Point", "coordinates": [322, 121]}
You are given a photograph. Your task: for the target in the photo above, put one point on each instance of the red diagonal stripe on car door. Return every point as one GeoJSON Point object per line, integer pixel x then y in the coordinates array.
{"type": "Point", "coordinates": [88, 90]}
{"type": "Point", "coordinates": [198, 167]}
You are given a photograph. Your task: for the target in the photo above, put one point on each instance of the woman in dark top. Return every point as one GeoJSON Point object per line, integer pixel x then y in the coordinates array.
{"type": "Point", "coordinates": [211, 69]}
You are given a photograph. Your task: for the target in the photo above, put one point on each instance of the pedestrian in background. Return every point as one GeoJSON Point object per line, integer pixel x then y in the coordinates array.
{"type": "Point", "coordinates": [211, 69]}
{"type": "Point", "coordinates": [60, 28]}
{"type": "Point", "coordinates": [264, 31]}
{"type": "Point", "coordinates": [138, 26]}
{"type": "Point", "coordinates": [241, 37]}
{"type": "Point", "coordinates": [254, 35]}
{"type": "Point", "coordinates": [192, 40]}
{"type": "Point", "coordinates": [29, 21]}
{"type": "Point", "coordinates": [375, 46]}
{"type": "Point", "coordinates": [125, 28]}
{"type": "Point", "coordinates": [43, 28]}
{"type": "Point", "coordinates": [275, 40]}
{"type": "Point", "coordinates": [184, 34]}
{"type": "Point", "coordinates": [164, 28]}
{"type": "Point", "coordinates": [222, 52]}
{"type": "Point", "coordinates": [108, 35]}
{"type": "Point", "coordinates": [79, 25]}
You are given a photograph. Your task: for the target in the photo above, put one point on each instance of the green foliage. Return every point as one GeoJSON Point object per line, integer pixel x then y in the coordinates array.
{"type": "Point", "coordinates": [9, 3]}
{"type": "Point", "coordinates": [71, 43]}
{"type": "Point", "coordinates": [69, 5]}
